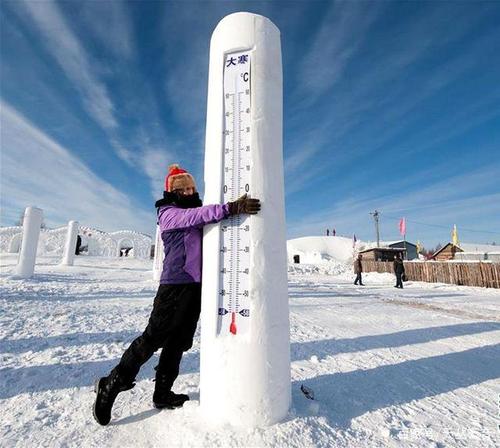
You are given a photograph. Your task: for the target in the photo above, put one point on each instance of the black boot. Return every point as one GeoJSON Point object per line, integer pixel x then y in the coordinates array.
{"type": "Point", "coordinates": [107, 388]}
{"type": "Point", "coordinates": [163, 397]}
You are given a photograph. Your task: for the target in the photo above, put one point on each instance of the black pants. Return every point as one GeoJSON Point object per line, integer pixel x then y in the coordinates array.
{"type": "Point", "coordinates": [171, 326]}
{"type": "Point", "coordinates": [358, 279]}
{"type": "Point", "coordinates": [399, 280]}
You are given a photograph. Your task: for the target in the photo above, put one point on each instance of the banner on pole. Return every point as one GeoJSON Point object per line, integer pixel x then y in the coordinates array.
{"type": "Point", "coordinates": [402, 226]}
{"type": "Point", "coordinates": [454, 236]}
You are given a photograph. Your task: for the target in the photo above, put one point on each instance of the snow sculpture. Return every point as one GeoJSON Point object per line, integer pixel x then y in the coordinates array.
{"type": "Point", "coordinates": [95, 242]}
{"type": "Point", "coordinates": [53, 241]}
{"type": "Point", "coordinates": [10, 239]}
{"type": "Point", "coordinates": [104, 244]}
{"type": "Point", "coordinates": [50, 241]}
{"type": "Point", "coordinates": [141, 243]}
{"type": "Point", "coordinates": [245, 339]}
{"type": "Point", "coordinates": [31, 232]}
{"type": "Point", "coordinates": [70, 246]}
{"type": "Point", "coordinates": [15, 243]}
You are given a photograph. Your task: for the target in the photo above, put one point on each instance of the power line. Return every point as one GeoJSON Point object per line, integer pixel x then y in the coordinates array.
{"type": "Point", "coordinates": [441, 226]}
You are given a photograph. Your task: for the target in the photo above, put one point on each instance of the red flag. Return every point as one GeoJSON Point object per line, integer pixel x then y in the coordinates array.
{"type": "Point", "coordinates": [402, 226]}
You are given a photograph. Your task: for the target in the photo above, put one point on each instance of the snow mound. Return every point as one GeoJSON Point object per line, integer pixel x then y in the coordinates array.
{"type": "Point", "coordinates": [332, 268]}
{"type": "Point", "coordinates": [320, 249]}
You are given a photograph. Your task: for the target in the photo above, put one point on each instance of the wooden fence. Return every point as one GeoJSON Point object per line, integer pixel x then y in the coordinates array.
{"type": "Point", "coordinates": [469, 274]}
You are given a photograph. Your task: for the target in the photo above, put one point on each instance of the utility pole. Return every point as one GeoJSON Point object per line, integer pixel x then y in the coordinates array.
{"type": "Point", "coordinates": [375, 215]}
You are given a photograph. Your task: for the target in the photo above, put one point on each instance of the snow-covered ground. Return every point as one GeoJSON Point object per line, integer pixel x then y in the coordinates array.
{"type": "Point", "coordinates": [388, 367]}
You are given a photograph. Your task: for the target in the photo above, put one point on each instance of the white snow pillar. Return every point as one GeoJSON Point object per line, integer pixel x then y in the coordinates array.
{"type": "Point", "coordinates": [159, 255]}
{"type": "Point", "coordinates": [70, 245]}
{"type": "Point", "coordinates": [245, 369]}
{"type": "Point", "coordinates": [31, 232]}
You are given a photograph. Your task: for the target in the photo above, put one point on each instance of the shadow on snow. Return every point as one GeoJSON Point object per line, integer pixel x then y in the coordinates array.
{"type": "Point", "coordinates": [14, 381]}
{"type": "Point", "coordinates": [344, 396]}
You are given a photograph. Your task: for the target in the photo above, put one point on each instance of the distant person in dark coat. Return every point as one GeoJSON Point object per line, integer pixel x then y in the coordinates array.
{"type": "Point", "coordinates": [399, 270]}
{"type": "Point", "coordinates": [78, 244]}
{"type": "Point", "coordinates": [327, 232]}
{"type": "Point", "coordinates": [358, 269]}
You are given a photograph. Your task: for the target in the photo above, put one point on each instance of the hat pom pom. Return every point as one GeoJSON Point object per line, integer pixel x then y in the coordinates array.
{"type": "Point", "coordinates": [174, 166]}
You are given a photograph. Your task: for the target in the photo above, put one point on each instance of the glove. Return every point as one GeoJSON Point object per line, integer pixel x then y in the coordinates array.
{"type": "Point", "coordinates": [244, 204]}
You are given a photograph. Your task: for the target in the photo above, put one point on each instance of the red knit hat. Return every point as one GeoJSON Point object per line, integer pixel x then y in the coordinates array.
{"type": "Point", "coordinates": [176, 173]}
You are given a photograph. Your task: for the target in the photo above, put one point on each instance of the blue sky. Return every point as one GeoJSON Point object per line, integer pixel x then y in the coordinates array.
{"type": "Point", "coordinates": [392, 106]}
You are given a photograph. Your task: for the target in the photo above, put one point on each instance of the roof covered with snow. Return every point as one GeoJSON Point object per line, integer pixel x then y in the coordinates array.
{"type": "Point", "coordinates": [373, 244]}
{"type": "Point", "coordinates": [479, 248]}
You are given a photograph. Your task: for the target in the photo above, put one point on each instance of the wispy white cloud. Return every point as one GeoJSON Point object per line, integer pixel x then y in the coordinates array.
{"type": "Point", "coordinates": [186, 88]}
{"type": "Point", "coordinates": [73, 60]}
{"type": "Point", "coordinates": [470, 200]}
{"type": "Point", "coordinates": [36, 170]}
{"type": "Point", "coordinates": [308, 179]}
{"type": "Point", "coordinates": [155, 163]}
{"type": "Point", "coordinates": [111, 27]}
{"type": "Point", "coordinates": [298, 159]}
{"type": "Point", "coordinates": [400, 106]}
{"type": "Point", "coordinates": [186, 59]}
{"type": "Point", "coordinates": [376, 91]}
{"type": "Point", "coordinates": [150, 148]}
{"type": "Point", "coordinates": [124, 153]}
{"type": "Point", "coordinates": [340, 35]}
{"type": "Point", "coordinates": [109, 22]}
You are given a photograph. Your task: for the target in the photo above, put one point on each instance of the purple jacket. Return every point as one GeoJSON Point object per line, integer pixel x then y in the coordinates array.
{"type": "Point", "coordinates": [182, 232]}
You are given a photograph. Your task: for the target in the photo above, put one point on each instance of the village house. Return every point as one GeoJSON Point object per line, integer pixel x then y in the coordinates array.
{"type": "Point", "coordinates": [382, 253]}
{"type": "Point", "coordinates": [468, 252]}
{"type": "Point", "coordinates": [388, 249]}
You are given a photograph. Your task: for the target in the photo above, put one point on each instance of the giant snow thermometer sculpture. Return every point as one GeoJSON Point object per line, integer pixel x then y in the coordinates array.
{"type": "Point", "coordinates": [245, 353]}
